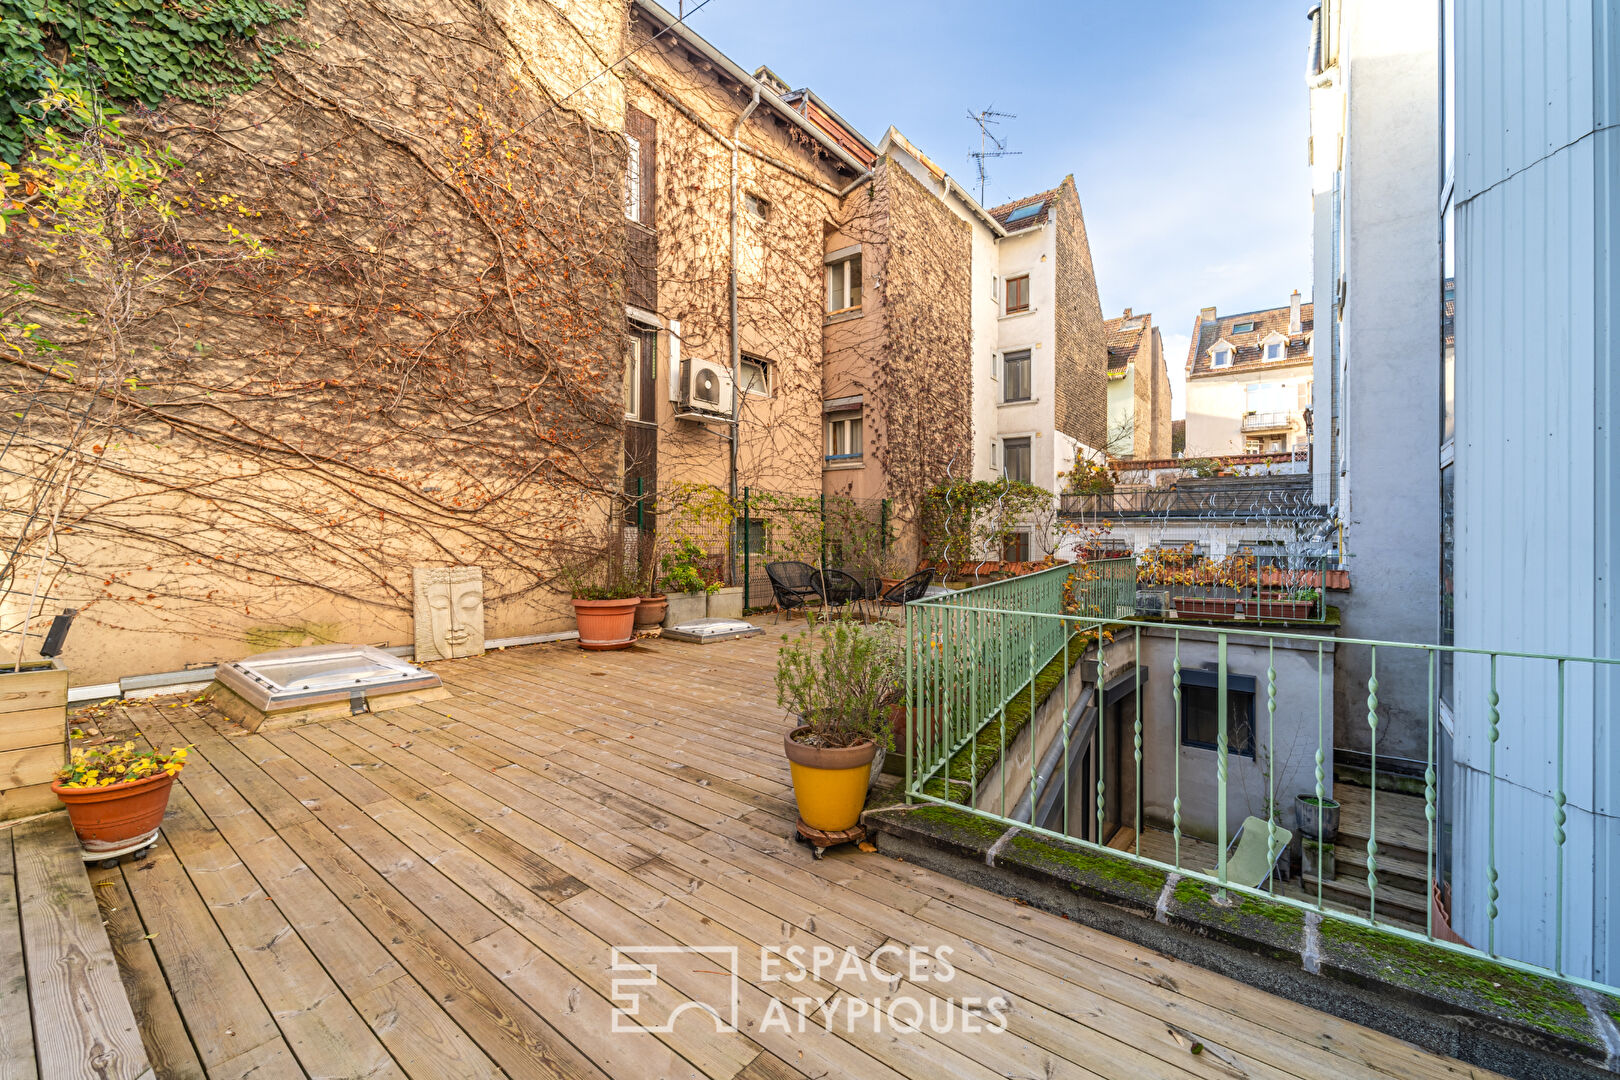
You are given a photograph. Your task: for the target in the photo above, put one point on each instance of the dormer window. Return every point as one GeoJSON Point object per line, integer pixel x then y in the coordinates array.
{"type": "Point", "coordinates": [1274, 351]}
{"type": "Point", "coordinates": [1223, 357]}
{"type": "Point", "coordinates": [1273, 347]}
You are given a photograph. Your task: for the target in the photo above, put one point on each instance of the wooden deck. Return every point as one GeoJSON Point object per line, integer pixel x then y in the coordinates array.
{"type": "Point", "coordinates": [435, 892]}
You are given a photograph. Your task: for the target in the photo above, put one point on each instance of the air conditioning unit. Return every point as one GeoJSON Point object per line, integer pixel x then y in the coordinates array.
{"type": "Point", "coordinates": [706, 389]}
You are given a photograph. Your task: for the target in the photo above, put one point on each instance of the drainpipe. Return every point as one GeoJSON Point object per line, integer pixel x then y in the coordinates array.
{"type": "Point", "coordinates": [855, 183]}
{"type": "Point", "coordinates": [736, 342]}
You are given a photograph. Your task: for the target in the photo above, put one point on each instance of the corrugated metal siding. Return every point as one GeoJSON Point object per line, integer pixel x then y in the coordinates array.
{"type": "Point", "coordinates": [1536, 495]}
{"type": "Point", "coordinates": [1524, 84]}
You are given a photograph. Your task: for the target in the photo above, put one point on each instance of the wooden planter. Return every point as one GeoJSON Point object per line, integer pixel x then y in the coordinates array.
{"type": "Point", "coordinates": [1211, 607]}
{"type": "Point", "coordinates": [1282, 609]}
{"type": "Point", "coordinates": [33, 736]}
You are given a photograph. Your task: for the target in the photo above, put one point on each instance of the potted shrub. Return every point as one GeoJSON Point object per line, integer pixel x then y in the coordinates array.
{"type": "Point", "coordinates": [651, 604]}
{"type": "Point", "coordinates": [839, 679]}
{"type": "Point", "coordinates": [116, 796]}
{"type": "Point", "coordinates": [605, 602]}
{"type": "Point", "coordinates": [685, 588]}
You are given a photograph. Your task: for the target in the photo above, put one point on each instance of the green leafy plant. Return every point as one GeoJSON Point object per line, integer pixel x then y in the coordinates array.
{"type": "Point", "coordinates": [130, 50]}
{"type": "Point", "coordinates": [840, 677]}
{"type": "Point", "coordinates": [681, 567]}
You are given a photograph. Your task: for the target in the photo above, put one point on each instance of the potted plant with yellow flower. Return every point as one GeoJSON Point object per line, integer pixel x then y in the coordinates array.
{"type": "Point", "coordinates": [115, 796]}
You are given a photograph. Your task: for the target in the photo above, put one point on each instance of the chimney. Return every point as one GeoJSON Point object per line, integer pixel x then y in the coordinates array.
{"type": "Point", "coordinates": [1293, 314]}
{"type": "Point", "coordinates": [1207, 315]}
{"type": "Point", "coordinates": [1127, 313]}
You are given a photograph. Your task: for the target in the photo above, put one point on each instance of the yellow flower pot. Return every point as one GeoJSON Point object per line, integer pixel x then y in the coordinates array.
{"type": "Point", "coordinates": [829, 783]}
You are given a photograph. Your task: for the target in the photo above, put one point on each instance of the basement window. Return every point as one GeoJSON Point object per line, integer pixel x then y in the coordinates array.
{"type": "Point", "coordinates": [1200, 718]}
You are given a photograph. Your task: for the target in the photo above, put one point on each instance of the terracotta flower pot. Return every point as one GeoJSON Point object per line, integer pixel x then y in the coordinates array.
{"type": "Point", "coordinates": [650, 611]}
{"type": "Point", "coordinates": [606, 624]}
{"type": "Point", "coordinates": [119, 817]}
{"type": "Point", "coordinates": [829, 783]}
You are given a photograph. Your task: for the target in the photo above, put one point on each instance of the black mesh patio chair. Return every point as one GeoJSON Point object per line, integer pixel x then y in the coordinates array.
{"type": "Point", "coordinates": [913, 588]}
{"type": "Point", "coordinates": [793, 584]}
{"type": "Point", "coordinates": [840, 589]}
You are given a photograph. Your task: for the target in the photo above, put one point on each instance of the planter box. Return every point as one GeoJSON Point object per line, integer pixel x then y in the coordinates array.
{"type": "Point", "coordinates": [726, 603]}
{"type": "Point", "coordinates": [686, 607]}
{"type": "Point", "coordinates": [1210, 607]}
{"type": "Point", "coordinates": [1282, 609]}
{"type": "Point", "coordinates": [33, 737]}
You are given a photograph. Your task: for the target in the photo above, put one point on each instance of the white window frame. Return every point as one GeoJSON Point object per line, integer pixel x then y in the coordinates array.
{"type": "Point", "coordinates": [835, 421]}
{"type": "Point", "coordinates": [632, 377]}
{"type": "Point", "coordinates": [1000, 369]}
{"type": "Point", "coordinates": [764, 366]}
{"type": "Point", "coordinates": [632, 180]}
{"type": "Point", "coordinates": [838, 270]}
{"type": "Point", "coordinates": [1001, 470]}
{"type": "Point", "coordinates": [1216, 353]}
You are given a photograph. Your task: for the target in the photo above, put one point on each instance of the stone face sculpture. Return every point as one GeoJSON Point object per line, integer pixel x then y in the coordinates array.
{"type": "Point", "coordinates": [449, 611]}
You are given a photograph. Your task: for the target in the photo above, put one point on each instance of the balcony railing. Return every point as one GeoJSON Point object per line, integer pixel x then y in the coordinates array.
{"type": "Point", "coordinates": [1494, 833]}
{"type": "Point", "coordinates": [1268, 421]}
{"type": "Point", "coordinates": [1236, 498]}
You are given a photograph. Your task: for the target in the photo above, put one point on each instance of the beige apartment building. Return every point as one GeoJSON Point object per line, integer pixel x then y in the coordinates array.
{"type": "Point", "coordinates": [1249, 381]}
{"type": "Point", "coordinates": [1138, 388]}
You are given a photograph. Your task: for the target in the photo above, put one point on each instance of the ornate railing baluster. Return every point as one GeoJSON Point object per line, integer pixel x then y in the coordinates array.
{"type": "Point", "coordinates": [1372, 824]}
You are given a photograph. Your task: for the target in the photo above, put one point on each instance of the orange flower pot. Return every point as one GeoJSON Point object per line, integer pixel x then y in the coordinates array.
{"type": "Point", "coordinates": [650, 611]}
{"type": "Point", "coordinates": [119, 817]}
{"type": "Point", "coordinates": [606, 624]}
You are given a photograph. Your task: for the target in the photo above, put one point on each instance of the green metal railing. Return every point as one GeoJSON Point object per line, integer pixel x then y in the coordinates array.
{"type": "Point", "coordinates": [972, 654]}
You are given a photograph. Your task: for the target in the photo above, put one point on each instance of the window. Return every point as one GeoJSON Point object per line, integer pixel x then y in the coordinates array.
{"type": "Point", "coordinates": [844, 437]}
{"type": "Point", "coordinates": [1024, 213]}
{"type": "Point", "coordinates": [844, 284]}
{"type": "Point", "coordinates": [756, 206]}
{"type": "Point", "coordinates": [748, 534]}
{"type": "Point", "coordinates": [1015, 548]}
{"type": "Point", "coordinates": [632, 180]}
{"type": "Point", "coordinates": [1243, 328]}
{"type": "Point", "coordinates": [1018, 294]}
{"type": "Point", "coordinates": [1223, 357]}
{"type": "Point", "coordinates": [1015, 459]}
{"type": "Point", "coordinates": [1015, 376]}
{"type": "Point", "coordinates": [995, 286]}
{"type": "Point", "coordinates": [1274, 351]}
{"type": "Point", "coordinates": [632, 378]}
{"type": "Point", "coordinates": [755, 376]}
{"type": "Point", "coordinates": [1200, 720]}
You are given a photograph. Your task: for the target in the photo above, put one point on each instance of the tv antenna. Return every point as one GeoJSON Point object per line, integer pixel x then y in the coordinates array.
{"type": "Point", "coordinates": [990, 146]}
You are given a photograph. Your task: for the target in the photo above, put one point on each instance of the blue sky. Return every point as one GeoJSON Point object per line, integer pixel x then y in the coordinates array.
{"type": "Point", "coordinates": [1184, 124]}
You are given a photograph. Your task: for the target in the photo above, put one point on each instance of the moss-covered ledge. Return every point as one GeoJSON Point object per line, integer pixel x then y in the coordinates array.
{"type": "Point", "coordinates": [1465, 1006]}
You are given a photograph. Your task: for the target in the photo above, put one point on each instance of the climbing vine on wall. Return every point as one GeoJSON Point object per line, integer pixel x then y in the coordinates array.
{"type": "Point", "coordinates": [130, 50]}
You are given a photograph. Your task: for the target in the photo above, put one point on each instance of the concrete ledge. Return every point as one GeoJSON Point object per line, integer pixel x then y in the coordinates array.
{"type": "Point", "coordinates": [1466, 1007]}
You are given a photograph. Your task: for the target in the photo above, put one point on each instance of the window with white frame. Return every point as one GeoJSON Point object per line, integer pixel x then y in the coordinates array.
{"type": "Point", "coordinates": [844, 284]}
{"type": "Point", "coordinates": [1274, 351]}
{"type": "Point", "coordinates": [632, 180]}
{"type": "Point", "coordinates": [755, 376]}
{"type": "Point", "coordinates": [1223, 357]}
{"type": "Point", "coordinates": [844, 437]}
{"type": "Point", "coordinates": [632, 377]}
{"type": "Point", "coordinates": [1015, 459]}
{"type": "Point", "coordinates": [1015, 376]}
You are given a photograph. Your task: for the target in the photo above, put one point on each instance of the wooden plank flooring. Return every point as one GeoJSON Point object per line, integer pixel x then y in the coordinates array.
{"type": "Point", "coordinates": [63, 1011]}
{"type": "Point", "coordinates": [436, 891]}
